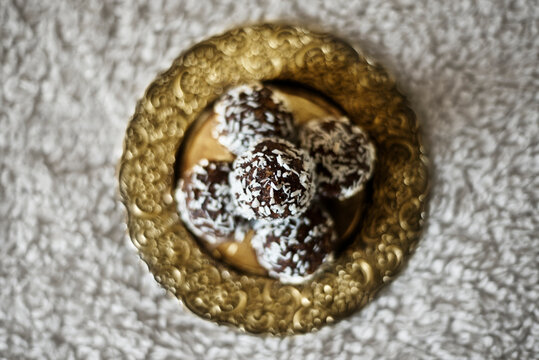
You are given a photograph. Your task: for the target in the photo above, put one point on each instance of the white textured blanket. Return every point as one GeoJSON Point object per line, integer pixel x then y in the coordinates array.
{"type": "Point", "coordinates": [71, 284]}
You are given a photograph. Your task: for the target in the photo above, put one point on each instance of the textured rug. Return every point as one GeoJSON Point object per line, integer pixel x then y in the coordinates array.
{"type": "Point", "coordinates": [71, 284]}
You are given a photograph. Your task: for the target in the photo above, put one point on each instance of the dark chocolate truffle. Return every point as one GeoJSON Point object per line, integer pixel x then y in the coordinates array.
{"type": "Point", "coordinates": [294, 248]}
{"type": "Point", "coordinates": [248, 113]}
{"type": "Point", "coordinates": [343, 154]}
{"type": "Point", "coordinates": [205, 203]}
{"type": "Point", "coordinates": [273, 180]}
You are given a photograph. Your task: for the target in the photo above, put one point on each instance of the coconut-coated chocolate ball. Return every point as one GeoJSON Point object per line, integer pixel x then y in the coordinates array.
{"type": "Point", "coordinates": [248, 113]}
{"type": "Point", "coordinates": [293, 249]}
{"type": "Point", "coordinates": [343, 154]}
{"type": "Point", "coordinates": [274, 179]}
{"type": "Point", "coordinates": [205, 204]}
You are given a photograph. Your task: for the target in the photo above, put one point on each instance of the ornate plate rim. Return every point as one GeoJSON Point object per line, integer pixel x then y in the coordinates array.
{"type": "Point", "coordinates": [210, 288]}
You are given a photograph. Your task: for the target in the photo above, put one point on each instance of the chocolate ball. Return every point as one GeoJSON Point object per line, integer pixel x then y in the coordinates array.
{"type": "Point", "coordinates": [343, 154]}
{"type": "Point", "coordinates": [294, 248]}
{"type": "Point", "coordinates": [272, 180]}
{"type": "Point", "coordinates": [248, 113]}
{"type": "Point", "coordinates": [205, 203]}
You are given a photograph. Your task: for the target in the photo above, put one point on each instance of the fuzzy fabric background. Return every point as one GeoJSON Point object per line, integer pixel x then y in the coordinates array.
{"type": "Point", "coordinates": [71, 284]}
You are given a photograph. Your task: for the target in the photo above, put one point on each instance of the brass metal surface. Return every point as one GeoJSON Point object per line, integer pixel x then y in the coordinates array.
{"type": "Point", "coordinates": [392, 219]}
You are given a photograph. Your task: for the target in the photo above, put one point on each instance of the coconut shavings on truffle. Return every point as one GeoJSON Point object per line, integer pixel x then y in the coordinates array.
{"type": "Point", "coordinates": [273, 180]}
{"type": "Point", "coordinates": [205, 204]}
{"type": "Point", "coordinates": [293, 249]}
{"type": "Point", "coordinates": [248, 113]}
{"type": "Point", "coordinates": [343, 154]}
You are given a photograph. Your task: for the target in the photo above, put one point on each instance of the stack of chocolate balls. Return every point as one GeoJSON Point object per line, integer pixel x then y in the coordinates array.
{"type": "Point", "coordinates": [277, 181]}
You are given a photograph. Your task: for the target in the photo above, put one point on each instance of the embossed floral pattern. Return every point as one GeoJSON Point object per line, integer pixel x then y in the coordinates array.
{"type": "Point", "coordinates": [174, 100]}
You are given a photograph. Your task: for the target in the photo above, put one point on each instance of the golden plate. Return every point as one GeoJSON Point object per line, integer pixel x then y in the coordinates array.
{"type": "Point", "coordinates": [394, 213]}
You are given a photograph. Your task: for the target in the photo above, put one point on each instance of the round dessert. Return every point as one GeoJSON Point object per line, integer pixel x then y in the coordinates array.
{"type": "Point", "coordinates": [272, 180]}
{"type": "Point", "coordinates": [294, 248]}
{"type": "Point", "coordinates": [248, 113]}
{"type": "Point", "coordinates": [343, 154]}
{"type": "Point", "coordinates": [205, 204]}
